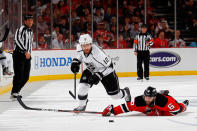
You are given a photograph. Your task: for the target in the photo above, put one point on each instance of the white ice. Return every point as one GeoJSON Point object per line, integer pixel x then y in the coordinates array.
{"type": "Point", "coordinates": [54, 94]}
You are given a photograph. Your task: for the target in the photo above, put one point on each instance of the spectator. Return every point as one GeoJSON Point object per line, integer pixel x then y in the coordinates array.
{"type": "Point", "coordinates": [127, 22]}
{"type": "Point", "coordinates": [98, 18]}
{"type": "Point", "coordinates": [55, 32]}
{"type": "Point", "coordinates": [152, 20]}
{"type": "Point", "coordinates": [47, 16]}
{"type": "Point", "coordinates": [126, 33]}
{"type": "Point", "coordinates": [56, 15]}
{"type": "Point", "coordinates": [58, 42]}
{"type": "Point", "coordinates": [73, 43]}
{"type": "Point", "coordinates": [179, 41]}
{"type": "Point", "coordinates": [47, 37]}
{"type": "Point", "coordinates": [110, 3]}
{"type": "Point", "coordinates": [113, 32]}
{"type": "Point", "coordinates": [97, 5]}
{"type": "Point", "coordinates": [160, 41]}
{"type": "Point", "coordinates": [101, 31]}
{"type": "Point", "coordinates": [34, 44]}
{"type": "Point", "coordinates": [63, 25]}
{"type": "Point", "coordinates": [121, 42]}
{"type": "Point", "coordinates": [163, 25]}
{"type": "Point", "coordinates": [42, 43]}
{"type": "Point", "coordinates": [135, 19]}
{"type": "Point", "coordinates": [76, 26]}
{"type": "Point", "coordinates": [62, 7]}
{"type": "Point", "coordinates": [89, 29]}
{"type": "Point", "coordinates": [39, 8]}
{"type": "Point", "coordinates": [108, 15]}
{"type": "Point", "coordinates": [55, 1]}
{"type": "Point", "coordinates": [113, 21]}
{"type": "Point", "coordinates": [194, 25]}
{"type": "Point", "coordinates": [42, 26]}
{"type": "Point", "coordinates": [79, 8]}
{"type": "Point", "coordinates": [87, 21]}
{"type": "Point", "coordinates": [135, 30]}
{"type": "Point", "coordinates": [190, 12]}
{"type": "Point", "coordinates": [86, 12]}
{"type": "Point", "coordinates": [101, 43]}
{"type": "Point", "coordinates": [129, 10]}
{"type": "Point", "coordinates": [152, 30]}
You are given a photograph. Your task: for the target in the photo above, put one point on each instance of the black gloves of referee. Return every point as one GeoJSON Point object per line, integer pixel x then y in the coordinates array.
{"type": "Point", "coordinates": [95, 78]}
{"type": "Point", "coordinates": [75, 65]}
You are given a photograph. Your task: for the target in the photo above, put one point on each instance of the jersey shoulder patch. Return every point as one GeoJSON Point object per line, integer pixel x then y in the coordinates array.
{"type": "Point", "coordinates": [139, 101]}
{"type": "Point", "coordinates": [161, 100]}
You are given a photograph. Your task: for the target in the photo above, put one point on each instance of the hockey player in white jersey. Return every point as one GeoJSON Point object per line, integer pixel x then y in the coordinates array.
{"type": "Point", "coordinates": [99, 68]}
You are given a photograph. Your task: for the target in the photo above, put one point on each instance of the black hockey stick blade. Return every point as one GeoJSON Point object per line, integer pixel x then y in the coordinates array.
{"type": "Point", "coordinates": [53, 110]}
{"type": "Point", "coordinates": [5, 35]}
{"type": "Point", "coordinates": [74, 96]}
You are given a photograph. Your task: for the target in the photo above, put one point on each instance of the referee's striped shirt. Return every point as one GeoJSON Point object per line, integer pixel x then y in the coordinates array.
{"type": "Point", "coordinates": [23, 39]}
{"type": "Point", "coordinates": [141, 40]}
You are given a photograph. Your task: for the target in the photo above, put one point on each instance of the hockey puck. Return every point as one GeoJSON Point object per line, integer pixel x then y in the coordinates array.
{"type": "Point", "coordinates": [111, 120]}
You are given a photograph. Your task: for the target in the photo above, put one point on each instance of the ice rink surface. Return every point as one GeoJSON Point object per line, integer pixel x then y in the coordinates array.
{"type": "Point", "coordinates": [54, 94]}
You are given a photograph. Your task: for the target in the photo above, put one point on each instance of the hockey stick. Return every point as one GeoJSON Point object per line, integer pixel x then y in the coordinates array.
{"type": "Point", "coordinates": [54, 110]}
{"type": "Point", "coordinates": [5, 35]}
{"type": "Point", "coordinates": [74, 95]}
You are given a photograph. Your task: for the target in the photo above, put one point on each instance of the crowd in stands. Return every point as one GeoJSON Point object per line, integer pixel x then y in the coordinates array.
{"type": "Point", "coordinates": [131, 16]}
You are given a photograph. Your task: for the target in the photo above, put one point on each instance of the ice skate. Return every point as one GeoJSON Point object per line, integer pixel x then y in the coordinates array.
{"type": "Point", "coordinates": [127, 94]}
{"type": "Point", "coordinates": [14, 96]}
{"type": "Point", "coordinates": [81, 108]}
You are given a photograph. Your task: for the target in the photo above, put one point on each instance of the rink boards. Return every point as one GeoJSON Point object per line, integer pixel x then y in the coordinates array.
{"type": "Point", "coordinates": [55, 64]}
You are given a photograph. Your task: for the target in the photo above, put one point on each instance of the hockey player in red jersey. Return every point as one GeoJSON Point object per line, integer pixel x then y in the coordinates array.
{"type": "Point", "coordinates": [150, 103]}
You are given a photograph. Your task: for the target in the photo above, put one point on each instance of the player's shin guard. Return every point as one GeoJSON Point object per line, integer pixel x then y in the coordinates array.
{"type": "Point", "coordinates": [119, 95]}
{"type": "Point", "coordinates": [82, 103]}
{"type": "Point", "coordinates": [123, 93]}
{"type": "Point", "coordinates": [83, 96]}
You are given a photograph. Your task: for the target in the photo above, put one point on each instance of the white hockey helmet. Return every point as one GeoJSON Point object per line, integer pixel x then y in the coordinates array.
{"type": "Point", "coordinates": [85, 39]}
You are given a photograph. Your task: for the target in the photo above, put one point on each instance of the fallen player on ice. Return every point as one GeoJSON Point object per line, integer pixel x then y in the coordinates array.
{"type": "Point", "coordinates": [150, 103]}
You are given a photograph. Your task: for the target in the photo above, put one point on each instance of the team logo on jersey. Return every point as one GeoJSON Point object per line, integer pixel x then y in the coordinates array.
{"type": "Point", "coordinates": [164, 59]}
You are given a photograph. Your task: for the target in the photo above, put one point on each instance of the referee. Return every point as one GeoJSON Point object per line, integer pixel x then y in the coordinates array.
{"type": "Point", "coordinates": [142, 43]}
{"type": "Point", "coordinates": [22, 55]}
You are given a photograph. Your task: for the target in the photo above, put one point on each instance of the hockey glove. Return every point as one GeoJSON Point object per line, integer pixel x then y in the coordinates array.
{"type": "Point", "coordinates": [75, 65]}
{"type": "Point", "coordinates": [108, 111]}
{"type": "Point", "coordinates": [95, 78]}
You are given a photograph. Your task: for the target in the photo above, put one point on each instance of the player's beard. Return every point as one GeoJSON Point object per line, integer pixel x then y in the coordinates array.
{"type": "Point", "coordinates": [87, 51]}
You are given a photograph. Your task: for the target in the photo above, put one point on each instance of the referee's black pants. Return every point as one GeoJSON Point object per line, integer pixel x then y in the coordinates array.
{"type": "Point", "coordinates": [143, 57]}
{"type": "Point", "coordinates": [21, 67]}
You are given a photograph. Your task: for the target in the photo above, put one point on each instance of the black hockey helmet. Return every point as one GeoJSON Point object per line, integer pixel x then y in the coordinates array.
{"type": "Point", "coordinates": [144, 26]}
{"type": "Point", "coordinates": [150, 92]}
{"type": "Point", "coordinates": [28, 16]}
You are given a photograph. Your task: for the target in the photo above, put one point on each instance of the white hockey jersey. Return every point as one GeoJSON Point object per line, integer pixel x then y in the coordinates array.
{"type": "Point", "coordinates": [96, 61]}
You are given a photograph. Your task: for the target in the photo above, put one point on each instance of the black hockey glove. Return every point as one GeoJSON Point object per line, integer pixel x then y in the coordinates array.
{"type": "Point", "coordinates": [75, 65]}
{"type": "Point", "coordinates": [95, 78]}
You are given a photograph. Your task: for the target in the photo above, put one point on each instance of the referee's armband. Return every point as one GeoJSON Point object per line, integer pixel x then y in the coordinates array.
{"type": "Point", "coordinates": [135, 41]}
